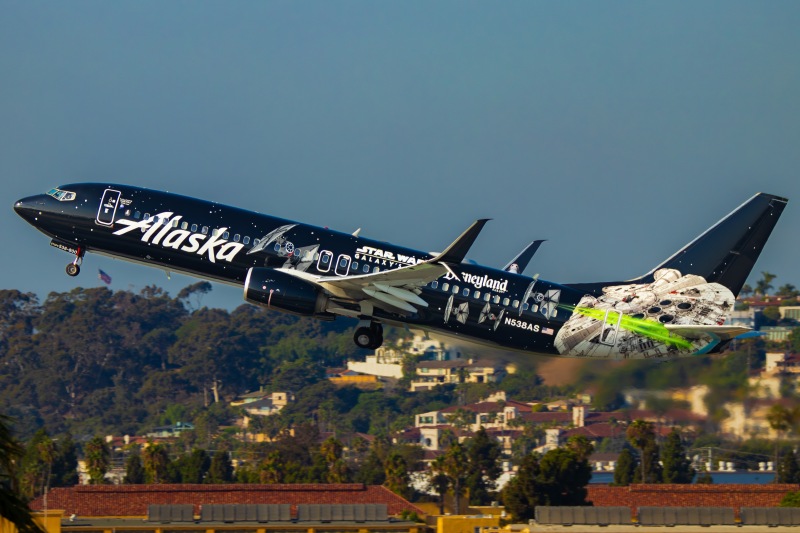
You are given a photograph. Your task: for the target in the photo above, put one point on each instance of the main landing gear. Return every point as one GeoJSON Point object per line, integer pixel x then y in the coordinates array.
{"type": "Point", "coordinates": [74, 268]}
{"type": "Point", "coordinates": [368, 336]}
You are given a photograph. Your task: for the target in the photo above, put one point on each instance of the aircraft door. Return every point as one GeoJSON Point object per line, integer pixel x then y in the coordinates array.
{"type": "Point", "coordinates": [108, 207]}
{"type": "Point", "coordinates": [610, 329]}
{"type": "Point", "coordinates": [342, 265]}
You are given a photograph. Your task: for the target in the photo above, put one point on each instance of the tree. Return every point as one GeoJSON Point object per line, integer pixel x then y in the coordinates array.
{"type": "Point", "coordinates": [787, 291]}
{"type": "Point", "coordinates": [641, 435]}
{"type": "Point", "coordinates": [98, 460]}
{"type": "Point", "coordinates": [677, 468]}
{"type": "Point", "coordinates": [764, 285]}
{"type": "Point", "coordinates": [625, 469]}
{"type": "Point", "coordinates": [65, 463]}
{"type": "Point", "coordinates": [156, 463]}
{"type": "Point", "coordinates": [781, 420]}
{"type": "Point", "coordinates": [521, 495]}
{"type": "Point", "coordinates": [194, 466]}
{"type": "Point", "coordinates": [582, 447]}
{"type": "Point", "coordinates": [456, 466]}
{"type": "Point", "coordinates": [788, 470]}
{"type": "Point", "coordinates": [746, 290]}
{"type": "Point", "coordinates": [563, 477]}
{"type": "Point", "coordinates": [221, 470]}
{"type": "Point", "coordinates": [12, 508]}
{"type": "Point", "coordinates": [134, 470]}
{"type": "Point", "coordinates": [397, 475]}
{"type": "Point", "coordinates": [438, 481]}
{"type": "Point", "coordinates": [483, 454]}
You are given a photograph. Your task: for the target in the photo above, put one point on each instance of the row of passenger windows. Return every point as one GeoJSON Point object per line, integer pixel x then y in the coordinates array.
{"type": "Point", "coordinates": [324, 259]}
{"type": "Point", "coordinates": [477, 295]}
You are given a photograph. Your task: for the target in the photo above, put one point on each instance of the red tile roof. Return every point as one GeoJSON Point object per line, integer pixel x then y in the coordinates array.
{"type": "Point", "coordinates": [736, 496]}
{"type": "Point", "coordinates": [132, 500]}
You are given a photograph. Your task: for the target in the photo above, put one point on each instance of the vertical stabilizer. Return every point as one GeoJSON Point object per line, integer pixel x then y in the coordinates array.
{"type": "Point", "coordinates": [727, 251]}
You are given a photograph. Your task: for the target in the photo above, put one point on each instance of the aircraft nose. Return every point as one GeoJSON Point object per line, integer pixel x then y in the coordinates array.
{"type": "Point", "coordinates": [28, 207]}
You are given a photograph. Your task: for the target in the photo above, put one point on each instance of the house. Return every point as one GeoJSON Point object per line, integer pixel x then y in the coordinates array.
{"type": "Point", "coordinates": [433, 373]}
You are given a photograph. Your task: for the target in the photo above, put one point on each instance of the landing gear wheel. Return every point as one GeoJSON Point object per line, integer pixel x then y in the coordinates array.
{"type": "Point", "coordinates": [363, 337]}
{"type": "Point", "coordinates": [73, 269]}
{"type": "Point", "coordinates": [370, 337]}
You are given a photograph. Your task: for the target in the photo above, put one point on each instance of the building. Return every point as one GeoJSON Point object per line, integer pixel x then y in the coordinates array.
{"type": "Point", "coordinates": [433, 373]}
{"type": "Point", "coordinates": [227, 508]}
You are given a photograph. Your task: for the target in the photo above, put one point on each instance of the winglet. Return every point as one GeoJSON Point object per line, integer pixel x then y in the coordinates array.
{"type": "Point", "coordinates": [524, 257]}
{"type": "Point", "coordinates": [457, 251]}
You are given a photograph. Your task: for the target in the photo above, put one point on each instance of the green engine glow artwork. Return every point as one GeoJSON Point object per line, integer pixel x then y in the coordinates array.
{"type": "Point", "coordinates": [640, 326]}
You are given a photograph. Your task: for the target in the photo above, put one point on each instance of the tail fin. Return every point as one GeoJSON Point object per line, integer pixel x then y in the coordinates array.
{"type": "Point", "coordinates": [727, 251]}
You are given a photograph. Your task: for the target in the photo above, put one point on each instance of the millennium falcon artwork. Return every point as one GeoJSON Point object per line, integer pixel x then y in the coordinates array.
{"type": "Point", "coordinates": [633, 320]}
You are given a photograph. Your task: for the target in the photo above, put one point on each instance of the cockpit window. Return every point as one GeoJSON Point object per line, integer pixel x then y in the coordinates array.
{"type": "Point", "coordinates": [62, 196]}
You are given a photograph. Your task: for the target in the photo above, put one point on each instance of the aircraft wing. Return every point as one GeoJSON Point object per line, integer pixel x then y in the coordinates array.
{"type": "Point", "coordinates": [395, 290]}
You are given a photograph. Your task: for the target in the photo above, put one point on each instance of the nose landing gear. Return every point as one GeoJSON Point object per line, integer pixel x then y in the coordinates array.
{"type": "Point", "coordinates": [74, 268]}
{"type": "Point", "coordinates": [368, 336]}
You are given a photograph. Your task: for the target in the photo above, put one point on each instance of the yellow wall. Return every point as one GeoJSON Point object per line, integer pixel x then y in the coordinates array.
{"type": "Point", "coordinates": [50, 522]}
{"type": "Point", "coordinates": [464, 523]}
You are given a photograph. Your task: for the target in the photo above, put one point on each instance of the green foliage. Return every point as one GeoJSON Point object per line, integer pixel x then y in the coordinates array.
{"type": "Point", "coordinates": [677, 468]}
{"type": "Point", "coordinates": [98, 460]}
{"type": "Point", "coordinates": [625, 469]}
{"type": "Point", "coordinates": [791, 499]}
{"type": "Point", "coordinates": [558, 478]}
{"type": "Point", "coordinates": [12, 506]}
{"type": "Point", "coordinates": [483, 455]}
{"type": "Point", "coordinates": [134, 470]}
{"type": "Point", "coordinates": [788, 469]}
{"type": "Point", "coordinates": [221, 469]}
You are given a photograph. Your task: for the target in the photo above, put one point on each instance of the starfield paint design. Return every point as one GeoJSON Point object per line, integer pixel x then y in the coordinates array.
{"type": "Point", "coordinates": [678, 309]}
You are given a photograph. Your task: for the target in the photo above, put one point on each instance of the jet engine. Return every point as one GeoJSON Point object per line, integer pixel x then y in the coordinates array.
{"type": "Point", "coordinates": [277, 290]}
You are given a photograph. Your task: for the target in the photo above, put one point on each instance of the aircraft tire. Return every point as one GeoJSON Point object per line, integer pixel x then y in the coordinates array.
{"type": "Point", "coordinates": [364, 338]}
{"type": "Point", "coordinates": [73, 269]}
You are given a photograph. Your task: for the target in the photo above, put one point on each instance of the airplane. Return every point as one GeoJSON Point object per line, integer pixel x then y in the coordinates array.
{"type": "Point", "coordinates": [678, 309]}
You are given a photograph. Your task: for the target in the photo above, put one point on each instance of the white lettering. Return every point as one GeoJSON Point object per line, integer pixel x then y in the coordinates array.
{"type": "Point", "coordinates": [166, 234]}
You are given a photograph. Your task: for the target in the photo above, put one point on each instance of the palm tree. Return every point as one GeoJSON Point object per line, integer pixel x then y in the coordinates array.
{"type": "Point", "coordinates": [640, 434]}
{"type": "Point", "coordinates": [764, 285]}
{"type": "Point", "coordinates": [12, 508]}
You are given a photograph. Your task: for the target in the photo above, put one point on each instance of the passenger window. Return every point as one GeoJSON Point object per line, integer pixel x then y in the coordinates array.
{"type": "Point", "coordinates": [225, 235]}
{"type": "Point", "coordinates": [236, 238]}
{"type": "Point", "coordinates": [525, 306]}
{"type": "Point", "coordinates": [127, 212]}
{"type": "Point", "coordinates": [184, 225]}
{"type": "Point", "coordinates": [434, 284]}
{"type": "Point", "coordinates": [455, 289]}
{"type": "Point", "coordinates": [506, 301]}
{"type": "Point", "coordinates": [194, 228]}
{"type": "Point", "coordinates": [365, 268]}
{"type": "Point", "coordinates": [277, 247]}
{"type": "Point", "coordinates": [354, 266]}
{"type": "Point", "coordinates": [175, 222]}
{"type": "Point", "coordinates": [147, 216]}
{"type": "Point", "coordinates": [137, 215]}
{"type": "Point", "coordinates": [477, 295]}
{"type": "Point", "coordinates": [486, 297]}
{"type": "Point", "coordinates": [376, 270]}
{"type": "Point", "coordinates": [204, 231]}
{"type": "Point", "coordinates": [246, 240]}
{"type": "Point", "coordinates": [256, 241]}
{"type": "Point", "coordinates": [325, 259]}
{"type": "Point", "coordinates": [214, 232]}
{"type": "Point", "coordinates": [466, 291]}
{"type": "Point", "coordinates": [515, 304]}
{"type": "Point", "coordinates": [445, 287]}
{"type": "Point", "coordinates": [496, 299]}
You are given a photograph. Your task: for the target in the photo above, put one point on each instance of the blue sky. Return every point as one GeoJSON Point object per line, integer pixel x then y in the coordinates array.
{"type": "Point", "coordinates": [617, 130]}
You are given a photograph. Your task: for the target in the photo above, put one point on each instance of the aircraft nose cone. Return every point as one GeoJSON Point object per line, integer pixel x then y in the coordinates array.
{"type": "Point", "coordinates": [28, 207]}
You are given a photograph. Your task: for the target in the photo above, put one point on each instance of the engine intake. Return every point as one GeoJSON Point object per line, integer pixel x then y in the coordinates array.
{"type": "Point", "coordinates": [277, 290]}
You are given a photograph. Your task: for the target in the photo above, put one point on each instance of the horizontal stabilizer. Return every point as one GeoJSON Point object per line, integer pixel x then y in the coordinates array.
{"type": "Point", "coordinates": [722, 333]}
{"type": "Point", "coordinates": [523, 258]}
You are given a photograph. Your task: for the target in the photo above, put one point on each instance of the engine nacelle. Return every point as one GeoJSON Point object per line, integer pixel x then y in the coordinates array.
{"type": "Point", "coordinates": [277, 290]}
